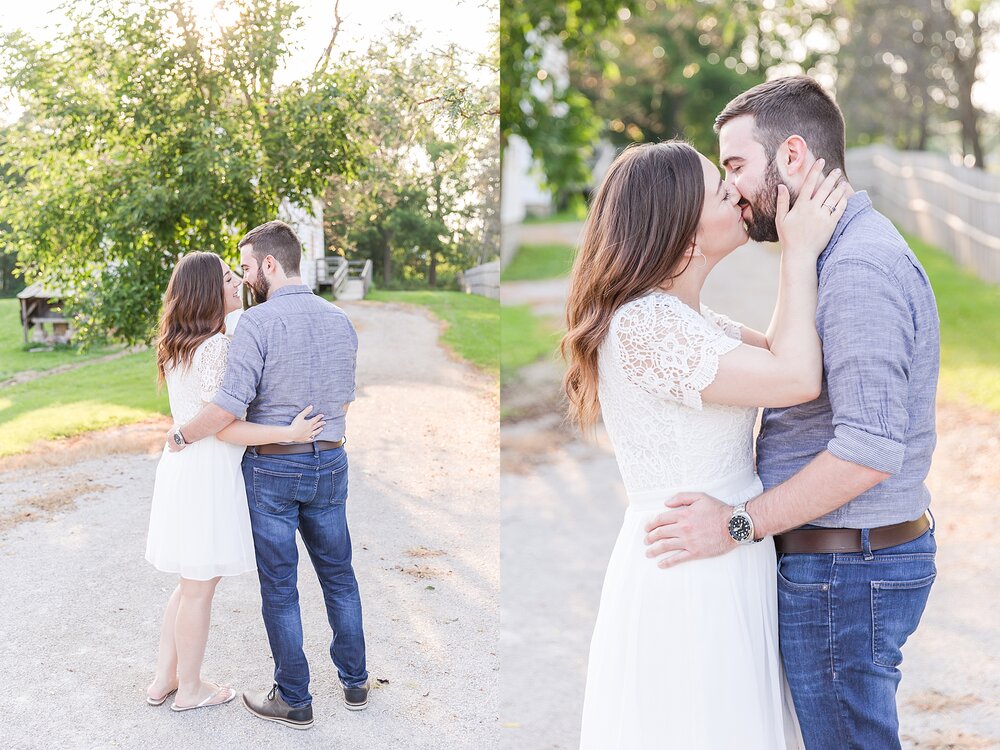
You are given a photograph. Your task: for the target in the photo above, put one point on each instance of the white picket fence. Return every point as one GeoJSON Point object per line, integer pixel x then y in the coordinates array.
{"type": "Point", "coordinates": [952, 207]}
{"type": "Point", "coordinates": [483, 280]}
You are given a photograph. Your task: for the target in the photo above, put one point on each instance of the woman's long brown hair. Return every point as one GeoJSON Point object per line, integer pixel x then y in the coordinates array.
{"type": "Point", "coordinates": [194, 308]}
{"type": "Point", "coordinates": [642, 220]}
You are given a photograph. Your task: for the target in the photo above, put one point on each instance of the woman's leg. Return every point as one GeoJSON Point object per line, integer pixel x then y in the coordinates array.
{"type": "Point", "coordinates": [194, 612]}
{"type": "Point", "coordinates": [165, 679]}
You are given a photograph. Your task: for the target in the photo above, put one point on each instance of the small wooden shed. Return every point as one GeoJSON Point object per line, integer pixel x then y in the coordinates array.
{"type": "Point", "coordinates": [42, 318]}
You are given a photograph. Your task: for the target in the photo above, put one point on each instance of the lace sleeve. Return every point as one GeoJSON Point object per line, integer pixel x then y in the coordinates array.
{"type": "Point", "coordinates": [210, 364]}
{"type": "Point", "coordinates": [667, 349]}
{"type": "Point", "coordinates": [730, 327]}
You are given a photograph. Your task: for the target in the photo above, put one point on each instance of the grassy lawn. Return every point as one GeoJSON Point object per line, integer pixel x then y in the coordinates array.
{"type": "Point", "coordinates": [525, 338]}
{"type": "Point", "coordinates": [473, 322]}
{"type": "Point", "coordinates": [577, 212]}
{"type": "Point", "coordinates": [91, 397]}
{"type": "Point", "coordinates": [534, 262]}
{"type": "Point", "coordinates": [14, 356]}
{"type": "Point", "coordinates": [970, 329]}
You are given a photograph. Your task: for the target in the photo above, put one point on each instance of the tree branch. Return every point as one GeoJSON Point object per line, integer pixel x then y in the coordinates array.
{"type": "Point", "coordinates": [324, 59]}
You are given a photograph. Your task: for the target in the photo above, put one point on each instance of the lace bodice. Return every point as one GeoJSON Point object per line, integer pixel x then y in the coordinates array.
{"type": "Point", "coordinates": [657, 357]}
{"type": "Point", "coordinates": [191, 387]}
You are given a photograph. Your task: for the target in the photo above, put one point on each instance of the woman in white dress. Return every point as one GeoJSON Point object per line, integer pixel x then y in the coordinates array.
{"type": "Point", "coordinates": [686, 657]}
{"type": "Point", "coordinates": [199, 524]}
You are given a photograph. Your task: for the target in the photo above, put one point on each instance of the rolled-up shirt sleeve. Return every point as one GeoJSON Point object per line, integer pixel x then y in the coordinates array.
{"type": "Point", "coordinates": [868, 332]}
{"type": "Point", "coordinates": [243, 370]}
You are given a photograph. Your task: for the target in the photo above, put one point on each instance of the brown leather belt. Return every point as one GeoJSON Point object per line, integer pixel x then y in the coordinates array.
{"type": "Point", "coordinates": [818, 541]}
{"type": "Point", "coordinates": [280, 449]}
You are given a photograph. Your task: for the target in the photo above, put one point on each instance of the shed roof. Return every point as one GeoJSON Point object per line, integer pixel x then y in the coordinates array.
{"type": "Point", "coordinates": [39, 291]}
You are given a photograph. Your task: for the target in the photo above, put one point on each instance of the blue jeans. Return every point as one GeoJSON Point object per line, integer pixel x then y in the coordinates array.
{"type": "Point", "coordinates": [308, 492]}
{"type": "Point", "coordinates": [843, 620]}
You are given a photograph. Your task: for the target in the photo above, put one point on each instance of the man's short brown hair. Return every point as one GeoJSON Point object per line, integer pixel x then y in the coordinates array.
{"type": "Point", "coordinates": [277, 239]}
{"type": "Point", "coordinates": [796, 105]}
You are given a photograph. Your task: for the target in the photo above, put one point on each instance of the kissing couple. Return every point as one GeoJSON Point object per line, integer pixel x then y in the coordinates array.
{"type": "Point", "coordinates": [801, 575]}
{"type": "Point", "coordinates": [245, 467]}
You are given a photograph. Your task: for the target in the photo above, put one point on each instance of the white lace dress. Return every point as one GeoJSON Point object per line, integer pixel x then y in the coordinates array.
{"type": "Point", "coordinates": [199, 523]}
{"type": "Point", "coordinates": [684, 658]}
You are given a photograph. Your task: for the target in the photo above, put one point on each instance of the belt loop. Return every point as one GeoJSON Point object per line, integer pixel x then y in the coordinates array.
{"type": "Point", "coordinates": [866, 546]}
{"type": "Point", "coordinates": [315, 447]}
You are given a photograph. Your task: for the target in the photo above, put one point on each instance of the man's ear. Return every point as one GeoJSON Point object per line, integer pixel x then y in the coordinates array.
{"type": "Point", "coordinates": [793, 157]}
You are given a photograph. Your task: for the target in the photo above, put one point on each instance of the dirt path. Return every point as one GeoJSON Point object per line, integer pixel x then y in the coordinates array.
{"type": "Point", "coordinates": [82, 607]}
{"type": "Point", "coordinates": [562, 508]}
{"type": "Point", "coordinates": [26, 376]}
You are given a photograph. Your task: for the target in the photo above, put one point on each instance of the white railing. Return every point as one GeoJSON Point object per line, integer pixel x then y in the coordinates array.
{"type": "Point", "coordinates": [331, 271]}
{"type": "Point", "coordinates": [361, 269]}
{"type": "Point", "coordinates": [953, 207]}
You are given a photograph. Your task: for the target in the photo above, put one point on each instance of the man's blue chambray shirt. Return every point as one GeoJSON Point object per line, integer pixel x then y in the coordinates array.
{"type": "Point", "coordinates": [294, 350]}
{"type": "Point", "coordinates": [879, 325]}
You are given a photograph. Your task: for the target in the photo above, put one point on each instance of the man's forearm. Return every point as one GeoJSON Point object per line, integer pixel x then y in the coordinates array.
{"type": "Point", "coordinates": [822, 486]}
{"type": "Point", "coordinates": [209, 421]}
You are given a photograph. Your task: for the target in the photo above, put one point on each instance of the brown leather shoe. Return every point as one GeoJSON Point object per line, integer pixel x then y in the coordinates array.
{"type": "Point", "coordinates": [269, 705]}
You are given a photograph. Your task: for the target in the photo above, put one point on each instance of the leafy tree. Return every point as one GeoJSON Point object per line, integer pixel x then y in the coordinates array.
{"type": "Point", "coordinates": [536, 101]}
{"type": "Point", "coordinates": [145, 137]}
{"type": "Point", "coordinates": [425, 201]}
{"type": "Point", "coordinates": [905, 71]}
{"type": "Point", "coordinates": [668, 73]}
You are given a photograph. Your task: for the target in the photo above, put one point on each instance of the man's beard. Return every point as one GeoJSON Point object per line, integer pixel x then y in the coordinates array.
{"type": "Point", "coordinates": [764, 205]}
{"type": "Point", "coordinates": [260, 289]}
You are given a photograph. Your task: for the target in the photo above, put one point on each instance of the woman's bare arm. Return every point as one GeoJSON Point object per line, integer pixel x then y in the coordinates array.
{"type": "Point", "coordinates": [301, 430]}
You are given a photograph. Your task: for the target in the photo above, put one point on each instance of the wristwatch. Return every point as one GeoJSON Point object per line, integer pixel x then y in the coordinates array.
{"type": "Point", "coordinates": [741, 525]}
{"type": "Point", "coordinates": [178, 438]}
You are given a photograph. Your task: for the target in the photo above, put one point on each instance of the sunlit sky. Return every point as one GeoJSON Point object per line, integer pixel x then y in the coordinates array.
{"type": "Point", "coordinates": [465, 22]}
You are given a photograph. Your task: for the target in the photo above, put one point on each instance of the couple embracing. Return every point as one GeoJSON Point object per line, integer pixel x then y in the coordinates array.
{"type": "Point", "coordinates": [245, 467]}
{"type": "Point", "coordinates": [767, 606]}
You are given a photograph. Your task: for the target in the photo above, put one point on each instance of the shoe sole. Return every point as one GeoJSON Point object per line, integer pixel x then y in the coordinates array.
{"type": "Point", "coordinates": [161, 701]}
{"type": "Point", "coordinates": [181, 709]}
{"type": "Point", "coordinates": [277, 719]}
{"type": "Point", "coordinates": [356, 706]}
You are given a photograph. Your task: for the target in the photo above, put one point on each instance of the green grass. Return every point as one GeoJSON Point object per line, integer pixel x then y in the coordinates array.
{"type": "Point", "coordinates": [534, 262]}
{"type": "Point", "coordinates": [473, 322]}
{"type": "Point", "coordinates": [92, 397]}
{"type": "Point", "coordinates": [574, 213]}
{"type": "Point", "coordinates": [525, 338]}
{"type": "Point", "coordinates": [14, 355]}
{"type": "Point", "coordinates": [970, 329]}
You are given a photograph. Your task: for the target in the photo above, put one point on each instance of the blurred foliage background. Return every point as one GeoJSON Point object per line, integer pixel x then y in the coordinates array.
{"type": "Point", "coordinates": [909, 74]}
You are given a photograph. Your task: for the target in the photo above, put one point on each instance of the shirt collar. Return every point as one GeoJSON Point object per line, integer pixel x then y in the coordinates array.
{"type": "Point", "coordinates": [290, 289]}
{"type": "Point", "coordinates": [855, 205]}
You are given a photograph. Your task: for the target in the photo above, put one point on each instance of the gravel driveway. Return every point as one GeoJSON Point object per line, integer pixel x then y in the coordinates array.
{"type": "Point", "coordinates": [81, 608]}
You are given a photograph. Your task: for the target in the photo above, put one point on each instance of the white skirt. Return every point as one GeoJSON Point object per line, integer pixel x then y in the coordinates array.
{"type": "Point", "coordinates": [199, 523]}
{"type": "Point", "coordinates": [687, 657]}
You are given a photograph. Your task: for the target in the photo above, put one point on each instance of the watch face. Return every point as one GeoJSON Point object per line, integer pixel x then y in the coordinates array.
{"type": "Point", "coordinates": [739, 528]}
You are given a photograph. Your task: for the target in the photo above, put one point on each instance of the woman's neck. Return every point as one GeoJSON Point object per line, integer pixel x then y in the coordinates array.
{"type": "Point", "coordinates": [687, 286]}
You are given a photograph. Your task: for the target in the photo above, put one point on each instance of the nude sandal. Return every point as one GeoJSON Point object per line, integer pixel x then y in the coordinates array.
{"type": "Point", "coordinates": [209, 701]}
{"type": "Point", "coordinates": [162, 700]}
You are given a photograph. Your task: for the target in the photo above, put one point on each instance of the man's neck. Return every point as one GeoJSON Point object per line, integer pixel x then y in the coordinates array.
{"type": "Point", "coordinates": [281, 283]}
